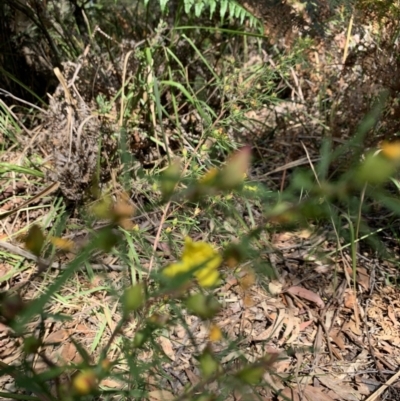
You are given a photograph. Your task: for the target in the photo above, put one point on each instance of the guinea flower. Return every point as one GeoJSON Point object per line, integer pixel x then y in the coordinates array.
{"type": "Point", "coordinates": [200, 258]}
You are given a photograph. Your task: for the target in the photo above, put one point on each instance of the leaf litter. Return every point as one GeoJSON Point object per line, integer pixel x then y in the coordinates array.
{"type": "Point", "coordinates": [334, 344]}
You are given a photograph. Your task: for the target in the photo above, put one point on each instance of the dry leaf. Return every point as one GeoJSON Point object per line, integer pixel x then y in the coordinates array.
{"type": "Point", "coordinates": [349, 299]}
{"type": "Point", "coordinates": [304, 325]}
{"type": "Point", "coordinates": [166, 345]}
{"type": "Point", "coordinates": [70, 354]}
{"type": "Point", "coordinates": [248, 301]}
{"type": "Point", "coordinates": [275, 287]}
{"type": "Point", "coordinates": [392, 315]}
{"type": "Point", "coordinates": [57, 336]}
{"type": "Point", "coordinates": [111, 383]}
{"type": "Point", "coordinates": [351, 326]}
{"type": "Point", "coordinates": [309, 393]}
{"type": "Point", "coordinates": [338, 339]}
{"type": "Point", "coordinates": [192, 377]}
{"type": "Point", "coordinates": [160, 395]}
{"type": "Point", "coordinates": [363, 278]}
{"type": "Point", "coordinates": [363, 389]}
{"type": "Point", "coordinates": [343, 391]}
{"type": "Point", "coordinates": [306, 294]}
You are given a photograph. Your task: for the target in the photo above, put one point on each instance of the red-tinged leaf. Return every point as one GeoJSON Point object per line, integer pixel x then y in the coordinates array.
{"type": "Point", "coordinates": [304, 325]}
{"type": "Point", "coordinates": [306, 294]}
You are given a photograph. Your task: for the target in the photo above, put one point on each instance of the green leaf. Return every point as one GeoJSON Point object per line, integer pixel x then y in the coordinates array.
{"type": "Point", "coordinates": [31, 345]}
{"type": "Point", "coordinates": [251, 374]}
{"type": "Point", "coordinates": [169, 178]}
{"type": "Point", "coordinates": [132, 299]}
{"type": "Point", "coordinates": [140, 338]}
{"type": "Point", "coordinates": [223, 8]}
{"type": "Point", "coordinates": [188, 6]}
{"type": "Point", "coordinates": [208, 364]}
{"type": "Point", "coordinates": [8, 167]}
{"type": "Point", "coordinates": [374, 170]}
{"type": "Point", "coordinates": [203, 306]}
{"type": "Point", "coordinates": [105, 239]}
{"type": "Point", "coordinates": [213, 5]}
{"type": "Point", "coordinates": [163, 4]}
{"type": "Point", "coordinates": [232, 9]}
{"type": "Point", "coordinates": [198, 8]}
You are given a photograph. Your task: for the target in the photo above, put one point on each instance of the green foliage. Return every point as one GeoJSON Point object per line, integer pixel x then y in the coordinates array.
{"type": "Point", "coordinates": [227, 8]}
{"type": "Point", "coordinates": [189, 221]}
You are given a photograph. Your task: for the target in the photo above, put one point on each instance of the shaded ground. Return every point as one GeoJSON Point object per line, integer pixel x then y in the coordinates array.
{"type": "Point", "coordinates": [333, 343]}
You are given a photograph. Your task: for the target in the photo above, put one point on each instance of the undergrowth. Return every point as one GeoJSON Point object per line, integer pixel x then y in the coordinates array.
{"type": "Point", "coordinates": [134, 253]}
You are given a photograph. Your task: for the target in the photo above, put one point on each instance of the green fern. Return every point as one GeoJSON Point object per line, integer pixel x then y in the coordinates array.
{"type": "Point", "coordinates": [227, 8]}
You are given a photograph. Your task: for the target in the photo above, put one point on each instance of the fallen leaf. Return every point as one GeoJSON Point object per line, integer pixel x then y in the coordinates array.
{"type": "Point", "coordinates": [70, 354]}
{"type": "Point", "coordinates": [304, 325]}
{"type": "Point", "coordinates": [289, 394]}
{"type": "Point", "coordinates": [363, 278]}
{"type": "Point", "coordinates": [306, 294]}
{"type": "Point", "coordinates": [111, 383]}
{"type": "Point", "coordinates": [338, 339]}
{"type": "Point", "coordinates": [351, 325]}
{"type": "Point", "coordinates": [166, 345]}
{"type": "Point", "coordinates": [275, 287]}
{"type": "Point", "coordinates": [349, 299]}
{"type": "Point", "coordinates": [192, 377]}
{"type": "Point", "coordinates": [363, 389]}
{"type": "Point", "coordinates": [392, 315]}
{"type": "Point", "coordinates": [343, 391]}
{"type": "Point", "coordinates": [57, 336]}
{"type": "Point", "coordinates": [160, 395]}
{"type": "Point", "coordinates": [309, 393]}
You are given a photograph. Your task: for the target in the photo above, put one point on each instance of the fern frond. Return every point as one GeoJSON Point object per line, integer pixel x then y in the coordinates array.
{"type": "Point", "coordinates": [227, 8]}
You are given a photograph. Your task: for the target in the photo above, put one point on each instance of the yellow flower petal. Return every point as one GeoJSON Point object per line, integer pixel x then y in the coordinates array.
{"type": "Point", "coordinates": [63, 243]}
{"type": "Point", "coordinates": [174, 269]}
{"type": "Point", "coordinates": [215, 333]}
{"type": "Point", "coordinates": [391, 150]}
{"type": "Point", "coordinates": [199, 257]}
{"type": "Point", "coordinates": [207, 278]}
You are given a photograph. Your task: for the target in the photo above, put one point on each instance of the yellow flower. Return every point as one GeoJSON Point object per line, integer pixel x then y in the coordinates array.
{"type": "Point", "coordinates": [391, 150]}
{"type": "Point", "coordinates": [199, 257]}
{"type": "Point", "coordinates": [215, 333]}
